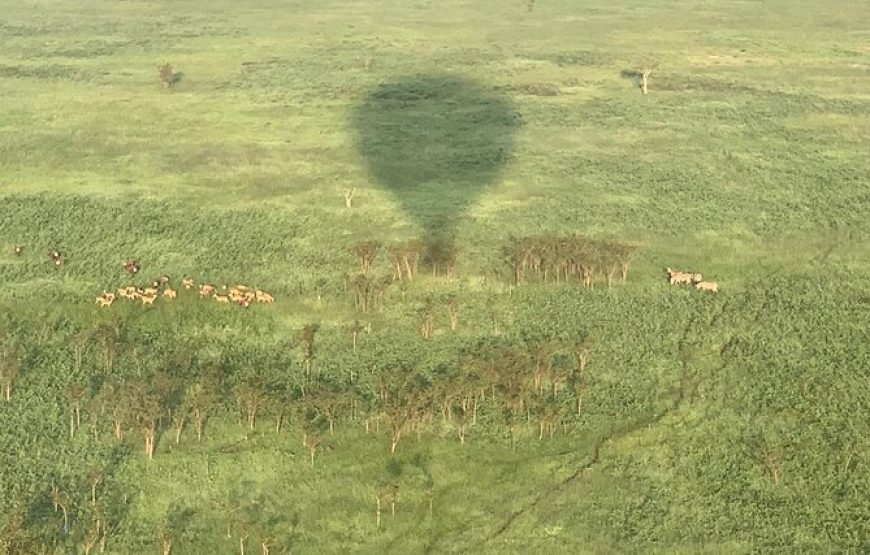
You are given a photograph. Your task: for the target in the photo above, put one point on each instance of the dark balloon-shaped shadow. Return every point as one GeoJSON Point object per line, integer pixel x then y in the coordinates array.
{"type": "Point", "coordinates": [435, 141]}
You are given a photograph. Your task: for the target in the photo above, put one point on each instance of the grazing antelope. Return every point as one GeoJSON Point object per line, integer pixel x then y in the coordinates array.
{"type": "Point", "coordinates": [707, 286]}
{"type": "Point", "coordinates": [59, 262]}
{"type": "Point", "coordinates": [244, 302]}
{"type": "Point", "coordinates": [104, 302]}
{"type": "Point", "coordinates": [131, 266]}
{"type": "Point", "coordinates": [148, 299]}
{"type": "Point", "coordinates": [187, 283]}
{"type": "Point", "coordinates": [163, 280]}
{"type": "Point", "coordinates": [54, 254]}
{"type": "Point", "coordinates": [108, 295]}
{"type": "Point", "coordinates": [17, 249]}
{"type": "Point", "coordinates": [676, 277]}
{"type": "Point", "coordinates": [129, 292]}
{"type": "Point", "coordinates": [148, 291]}
{"type": "Point", "coordinates": [222, 298]}
{"type": "Point", "coordinates": [170, 293]}
{"type": "Point", "coordinates": [263, 297]}
{"type": "Point", "coordinates": [206, 290]}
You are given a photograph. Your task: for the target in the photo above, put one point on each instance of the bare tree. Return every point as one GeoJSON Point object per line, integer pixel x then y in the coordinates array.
{"type": "Point", "coordinates": [646, 70]}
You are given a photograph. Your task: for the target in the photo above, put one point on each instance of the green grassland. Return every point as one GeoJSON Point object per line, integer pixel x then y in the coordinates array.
{"type": "Point", "coordinates": [733, 422]}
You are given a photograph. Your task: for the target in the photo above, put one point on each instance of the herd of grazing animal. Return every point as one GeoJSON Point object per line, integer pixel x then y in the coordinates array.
{"type": "Point", "coordinates": [679, 277]}
{"type": "Point", "coordinates": [241, 295]}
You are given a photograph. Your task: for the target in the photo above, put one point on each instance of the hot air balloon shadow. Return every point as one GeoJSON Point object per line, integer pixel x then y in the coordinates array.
{"type": "Point", "coordinates": [436, 142]}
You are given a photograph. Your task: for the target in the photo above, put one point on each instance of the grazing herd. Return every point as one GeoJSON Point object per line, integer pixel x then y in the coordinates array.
{"type": "Point", "coordinates": [241, 295]}
{"type": "Point", "coordinates": [679, 277]}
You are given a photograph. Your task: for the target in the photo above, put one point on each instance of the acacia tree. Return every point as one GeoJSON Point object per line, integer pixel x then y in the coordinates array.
{"type": "Point", "coordinates": [386, 493]}
{"type": "Point", "coordinates": [10, 366]}
{"type": "Point", "coordinates": [452, 303]}
{"type": "Point", "coordinates": [365, 253]}
{"type": "Point", "coordinates": [305, 338]}
{"type": "Point", "coordinates": [252, 394]}
{"type": "Point", "coordinates": [355, 330]}
{"type": "Point", "coordinates": [203, 399]}
{"type": "Point", "coordinates": [579, 378]}
{"type": "Point", "coordinates": [75, 393]}
{"type": "Point", "coordinates": [646, 70]}
{"type": "Point", "coordinates": [148, 408]}
{"type": "Point", "coordinates": [111, 339]}
{"type": "Point", "coordinates": [426, 313]}
{"type": "Point", "coordinates": [166, 75]}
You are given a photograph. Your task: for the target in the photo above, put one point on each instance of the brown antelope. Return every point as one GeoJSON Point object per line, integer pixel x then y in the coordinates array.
{"type": "Point", "coordinates": [263, 297]}
{"type": "Point", "coordinates": [128, 292]}
{"type": "Point", "coordinates": [677, 277]}
{"type": "Point", "coordinates": [222, 298]}
{"type": "Point", "coordinates": [163, 280]}
{"type": "Point", "coordinates": [148, 299]}
{"type": "Point", "coordinates": [59, 262]}
{"type": "Point", "coordinates": [17, 249]}
{"type": "Point", "coordinates": [707, 286]}
{"type": "Point", "coordinates": [206, 290]}
{"type": "Point", "coordinates": [170, 293]}
{"type": "Point", "coordinates": [104, 302]}
{"type": "Point", "coordinates": [244, 302]}
{"type": "Point", "coordinates": [187, 283]}
{"type": "Point", "coordinates": [108, 295]}
{"type": "Point", "coordinates": [149, 291]}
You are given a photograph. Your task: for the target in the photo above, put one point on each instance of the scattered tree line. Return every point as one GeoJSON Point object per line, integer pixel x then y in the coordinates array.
{"type": "Point", "coordinates": [567, 258]}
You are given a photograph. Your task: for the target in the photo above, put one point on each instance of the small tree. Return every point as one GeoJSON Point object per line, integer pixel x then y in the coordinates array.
{"type": "Point", "coordinates": [646, 70]}
{"type": "Point", "coordinates": [10, 367]}
{"type": "Point", "coordinates": [348, 196]}
{"type": "Point", "coordinates": [166, 75]}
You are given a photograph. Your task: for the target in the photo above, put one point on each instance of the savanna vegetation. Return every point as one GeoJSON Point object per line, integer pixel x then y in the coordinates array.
{"type": "Point", "coordinates": [463, 212]}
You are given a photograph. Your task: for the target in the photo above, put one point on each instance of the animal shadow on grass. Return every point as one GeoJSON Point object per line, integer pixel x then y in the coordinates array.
{"type": "Point", "coordinates": [436, 142]}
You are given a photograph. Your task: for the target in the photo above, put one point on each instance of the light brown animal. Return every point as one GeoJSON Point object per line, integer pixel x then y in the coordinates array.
{"type": "Point", "coordinates": [129, 292]}
{"type": "Point", "coordinates": [677, 277]}
{"type": "Point", "coordinates": [206, 290]}
{"type": "Point", "coordinates": [148, 299]}
{"type": "Point", "coordinates": [104, 302]}
{"type": "Point", "coordinates": [163, 280]}
{"type": "Point", "coordinates": [222, 298]}
{"type": "Point", "coordinates": [707, 286]}
{"type": "Point", "coordinates": [244, 303]}
{"type": "Point", "coordinates": [148, 291]}
{"type": "Point", "coordinates": [263, 297]}
{"type": "Point", "coordinates": [187, 283]}
{"type": "Point", "coordinates": [170, 293]}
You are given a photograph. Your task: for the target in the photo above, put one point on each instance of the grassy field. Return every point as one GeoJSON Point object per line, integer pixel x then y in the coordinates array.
{"type": "Point", "coordinates": [726, 423]}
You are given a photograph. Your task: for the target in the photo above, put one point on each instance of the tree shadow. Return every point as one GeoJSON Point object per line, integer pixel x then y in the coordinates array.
{"type": "Point", "coordinates": [436, 142]}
